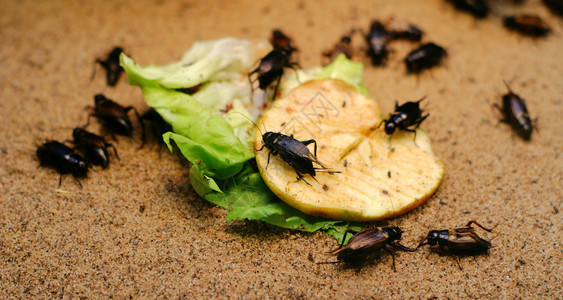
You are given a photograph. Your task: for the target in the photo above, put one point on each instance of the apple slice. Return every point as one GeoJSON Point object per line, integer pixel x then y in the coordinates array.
{"type": "Point", "coordinates": [380, 176]}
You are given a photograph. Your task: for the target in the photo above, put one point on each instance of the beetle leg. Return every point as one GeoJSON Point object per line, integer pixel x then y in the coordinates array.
{"type": "Point", "coordinates": [504, 118]}
{"type": "Point", "coordinates": [251, 83]}
{"type": "Point", "coordinates": [475, 222]}
{"type": "Point", "coordinates": [292, 66]}
{"type": "Point", "coordinates": [414, 138]}
{"type": "Point", "coordinates": [457, 260]}
{"type": "Point", "coordinates": [114, 150]}
{"type": "Point", "coordinates": [393, 256]}
{"type": "Point", "coordinates": [382, 121]}
{"type": "Point", "coordinates": [309, 142]}
{"type": "Point", "coordinates": [127, 109]}
{"type": "Point", "coordinates": [300, 177]}
{"type": "Point", "coordinates": [268, 159]}
{"type": "Point", "coordinates": [419, 120]}
{"type": "Point", "coordinates": [77, 181]}
{"type": "Point", "coordinates": [277, 86]}
{"type": "Point", "coordinates": [88, 120]}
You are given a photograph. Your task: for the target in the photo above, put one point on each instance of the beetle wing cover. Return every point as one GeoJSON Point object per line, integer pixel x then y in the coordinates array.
{"type": "Point", "coordinates": [463, 238]}
{"type": "Point", "coordinates": [380, 176]}
{"type": "Point", "coordinates": [364, 240]}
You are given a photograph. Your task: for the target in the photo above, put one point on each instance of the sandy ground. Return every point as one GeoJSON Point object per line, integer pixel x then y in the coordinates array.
{"type": "Point", "coordinates": [138, 229]}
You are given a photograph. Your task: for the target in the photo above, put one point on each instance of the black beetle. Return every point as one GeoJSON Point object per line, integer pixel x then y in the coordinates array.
{"type": "Point", "coordinates": [406, 115]}
{"type": "Point", "coordinates": [112, 66]}
{"type": "Point", "coordinates": [367, 242]}
{"type": "Point", "coordinates": [93, 146]}
{"type": "Point", "coordinates": [515, 113]}
{"type": "Point", "coordinates": [477, 8]}
{"type": "Point", "coordinates": [458, 241]}
{"type": "Point", "coordinates": [527, 24]}
{"type": "Point", "coordinates": [64, 159]}
{"type": "Point", "coordinates": [424, 57]}
{"type": "Point", "coordinates": [293, 152]}
{"type": "Point", "coordinates": [271, 68]}
{"type": "Point", "coordinates": [377, 40]}
{"type": "Point", "coordinates": [115, 116]}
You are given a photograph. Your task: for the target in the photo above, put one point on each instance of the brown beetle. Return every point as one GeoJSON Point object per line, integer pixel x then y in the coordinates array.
{"type": "Point", "coordinates": [458, 241]}
{"type": "Point", "coordinates": [115, 116]}
{"type": "Point", "coordinates": [112, 66]}
{"type": "Point", "coordinates": [515, 113]}
{"type": "Point", "coordinates": [95, 147]}
{"type": "Point", "coordinates": [365, 243]}
{"type": "Point", "coordinates": [527, 24]}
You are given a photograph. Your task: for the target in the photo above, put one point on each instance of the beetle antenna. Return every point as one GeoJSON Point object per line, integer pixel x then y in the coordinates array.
{"type": "Point", "coordinates": [327, 262]}
{"type": "Point", "coordinates": [508, 87]}
{"type": "Point", "coordinates": [249, 119]}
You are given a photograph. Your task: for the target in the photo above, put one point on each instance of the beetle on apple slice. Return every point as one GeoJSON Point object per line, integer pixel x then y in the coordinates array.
{"type": "Point", "coordinates": [380, 176]}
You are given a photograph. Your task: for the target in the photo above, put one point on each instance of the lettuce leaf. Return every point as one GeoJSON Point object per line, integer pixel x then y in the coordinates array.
{"type": "Point", "coordinates": [218, 144]}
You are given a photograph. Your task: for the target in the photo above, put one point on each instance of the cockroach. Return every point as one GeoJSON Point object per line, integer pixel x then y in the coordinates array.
{"type": "Point", "coordinates": [377, 43]}
{"type": "Point", "coordinates": [407, 115]}
{"type": "Point", "coordinates": [271, 68]}
{"type": "Point", "coordinates": [281, 40]}
{"type": "Point", "coordinates": [404, 31]}
{"type": "Point", "coordinates": [294, 152]}
{"type": "Point", "coordinates": [112, 66]}
{"type": "Point", "coordinates": [424, 57]}
{"type": "Point", "coordinates": [115, 116]}
{"type": "Point", "coordinates": [94, 147]}
{"type": "Point", "coordinates": [458, 241]}
{"type": "Point", "coordinates": [527, 24]}
{"type": "Point", "coordinates": [555, 6]}
{"type": "Point", "coordinates": [64, 159]}
{"type": "Point", "coordinates": [478, 8]}
{"type": "Point", "coordinates": [365, 243]}
{"type": "Point", "coordinates": [343, 46]}
{"type": "Point", "coordinates": [515, 113]}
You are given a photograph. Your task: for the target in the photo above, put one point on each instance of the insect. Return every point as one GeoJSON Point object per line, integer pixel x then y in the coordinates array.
{"type": "Point", "coordinates": [458, 241]}
{"type": "Point", "coordinates": [424, 57]}
{"type": "Point", "coordinates": [515, 113]}
{"type": "Point", "coordinates": [406, 115]}
{"type": "Point", "coordinates": [527, 24]}
{"type": "Point", "coordinates": [271, 68]}
{"type": "Point", "coordinates": [111, 64]}
{"type": "Point", "coordinates": [404, 31]}
{"type": "Point", "coordinates": [365, 243]}
{"type": "Point", "coordinates": [64, 159]}
{"type": "Point", "coordinates": [293, 152]}
{"type": "Point", "coordinates": [343, 46]}
{"type": "Point", "coordinates": [93, 146]}
{"type": "Point", "coordinates": [377, 40]}
{"type": "Point", "coordinates": [115, 116]}
{"type": "Point", "coordinates": [478, 8]}
{"type": "Point", "coordinates": [280, 40]}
